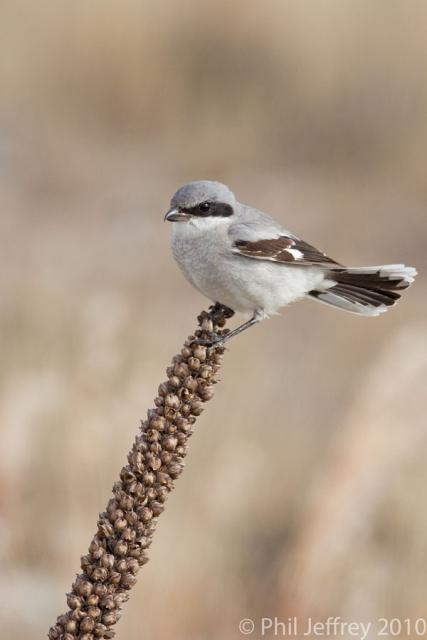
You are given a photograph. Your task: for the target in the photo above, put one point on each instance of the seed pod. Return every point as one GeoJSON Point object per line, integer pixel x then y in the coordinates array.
{"type": "Point", "coordinates": [107, 602]}
{"type": "Point", "coordinates": [146, 514]}
{"type": "Point", "coordinates": [194, 364]}
{"type": "Point", "coordinates": [100, 589]}
{"type": "Point", "coordinates": [199, 352]}
{"type": "Point", "coordinates": [107, 561]}
{"type": "Point", "coordinates": [148, 478]}
{"type": "Point", "coordinates": [126, 502]}
{"type": "Point", "coordinates": [155, 463]}
{"type": "Point", "coordinates": [94, 612]}
{"type": "Point", "coordinates": [186, 352]}
{"type": "Point", "coordinates": [115, 578]}
{"type": "Point", "coordinates": [121, 565]}
{"type": "Point", "coordinates": [71, 626]}
{"type": "Point", "coordinates": [207, 393]}
{"type": "Point", "coordinates": [99, 630]}
{"type": "Point", "coordinates": [191, 383]}
{"type": "Point", "coordinates": [73, 601]}
{"type": "Point", "coordinates": [170, 443]}
{"type": "Point", "coordinates": [120, 524]}
{"type": "Point", "coordinates": [110, 617]}
{"type": "Point", "coordinates": [128, 580]}
{"type": "Point", "coordinates": [158, 423]}
{"type": "Point", "coordinates": [205, 371]}
{"type": "Point", "coordinates": [155, 447]}
{"type": "Point", "coordinates": [84, 588]}
{"type": "Point", "coordinates": [207, 324]}
{"type": "Point", "coordinates": [175, 469]}
{"type": "Point", "coordinates": [157, 508]}
{"type": "Point", "coordinates": [120, 548]}
{"type": "Point", "coordinates": [172, 401]}
{"type": "Point", "coordinates": [181, 370]}
{"type": "Point", "coordinates": [87, 624]}
{"type": "Point", "coordinates": [166, 457]}
{"type": "Point", "coordinates": [163, 389]}
{"type": "Point", "coordinates": [92, 600]}
{"type": "Point", "coordinates": [196, 407]}
{"type": "Point", "coordinates": [174, 382]}
{"type": "Point", "coordinates": [99, 574]}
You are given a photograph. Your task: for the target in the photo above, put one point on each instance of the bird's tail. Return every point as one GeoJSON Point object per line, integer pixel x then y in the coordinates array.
{"type": "Point", "coordinates": [367, 291]}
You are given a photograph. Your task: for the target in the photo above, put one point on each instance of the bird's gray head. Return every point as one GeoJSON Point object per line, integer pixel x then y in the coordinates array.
{"type": "Point", "coordinates": [199, 200]}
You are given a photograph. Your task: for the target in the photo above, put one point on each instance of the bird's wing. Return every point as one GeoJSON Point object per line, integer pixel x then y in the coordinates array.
{"type": "Point", "coordinates": [283, 249]}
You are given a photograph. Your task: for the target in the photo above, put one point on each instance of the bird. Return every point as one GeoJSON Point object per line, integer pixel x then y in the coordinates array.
{"type": "Point", "coordinates": [244, 261]}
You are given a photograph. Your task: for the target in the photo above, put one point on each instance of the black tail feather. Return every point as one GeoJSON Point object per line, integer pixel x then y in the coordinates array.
{"type": "Point", "coordinates": [366, 290]}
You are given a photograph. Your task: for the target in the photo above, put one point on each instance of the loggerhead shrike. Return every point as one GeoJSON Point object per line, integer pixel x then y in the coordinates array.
{"type": "Point", "coordinates": [241, 258]}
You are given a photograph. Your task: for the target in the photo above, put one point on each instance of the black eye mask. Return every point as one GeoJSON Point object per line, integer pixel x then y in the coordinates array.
{"type": "Point", "coordinates": [215, 210]}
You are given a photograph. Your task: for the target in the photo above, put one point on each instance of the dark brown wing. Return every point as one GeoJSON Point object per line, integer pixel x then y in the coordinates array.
{"type": "Point", "coordinates": [284, 250]}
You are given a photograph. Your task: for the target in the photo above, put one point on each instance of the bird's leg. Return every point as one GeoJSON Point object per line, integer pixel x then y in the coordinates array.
{"type": "Point", "coordinates": [220, 340]}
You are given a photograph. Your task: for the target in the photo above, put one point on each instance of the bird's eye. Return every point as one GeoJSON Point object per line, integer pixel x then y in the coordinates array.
{"type": "Point", "coordinates": [205, 206]}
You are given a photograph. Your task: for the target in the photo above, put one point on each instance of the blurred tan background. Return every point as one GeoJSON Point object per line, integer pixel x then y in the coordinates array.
{"type": "Point", "coordinates": [305, 488]}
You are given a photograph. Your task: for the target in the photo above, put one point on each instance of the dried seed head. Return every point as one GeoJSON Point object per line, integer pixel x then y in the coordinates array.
{"type": "Point", "coordinates": [156, 459]}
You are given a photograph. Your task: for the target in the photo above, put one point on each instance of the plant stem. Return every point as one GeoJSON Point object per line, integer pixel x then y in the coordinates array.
{"type": "Point", "coordinates": [124, 532]}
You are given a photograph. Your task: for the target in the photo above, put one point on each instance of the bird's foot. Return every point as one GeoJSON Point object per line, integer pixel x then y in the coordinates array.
{"type": "Point", "coordinates": [219, 313]}
{"type": "Point", "coordinates": [213, 341]}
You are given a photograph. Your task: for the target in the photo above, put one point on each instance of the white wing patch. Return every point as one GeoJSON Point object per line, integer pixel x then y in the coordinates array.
{"type": "Point", "coordinates": [283, 249]}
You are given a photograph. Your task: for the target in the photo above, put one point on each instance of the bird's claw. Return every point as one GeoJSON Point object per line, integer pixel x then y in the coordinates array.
{"type": "Point", "coordinates": [215, 341]}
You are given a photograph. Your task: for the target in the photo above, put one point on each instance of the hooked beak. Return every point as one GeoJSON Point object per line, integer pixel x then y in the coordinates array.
{"type": "Point", "coordinates": [175, 215]}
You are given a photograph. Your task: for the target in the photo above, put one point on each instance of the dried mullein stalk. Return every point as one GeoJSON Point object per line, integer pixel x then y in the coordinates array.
{"type": "Point", "coordinates": [119, 546]}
